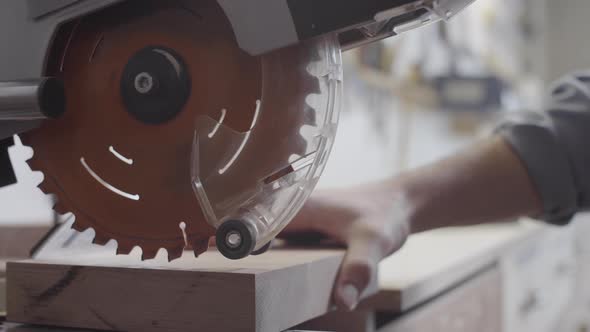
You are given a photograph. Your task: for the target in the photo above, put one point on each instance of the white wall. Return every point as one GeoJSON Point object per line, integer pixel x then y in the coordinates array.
{"type": "Point", "coordinates": [567, 36]}
{"type": "Point", "coordinates": [378, 137]}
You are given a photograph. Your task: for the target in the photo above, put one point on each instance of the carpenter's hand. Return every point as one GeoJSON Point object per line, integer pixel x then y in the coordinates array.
{"type": "Point", "coordinates": [484, 183]}
{"type": "Point", "coordinates": [371, 220]}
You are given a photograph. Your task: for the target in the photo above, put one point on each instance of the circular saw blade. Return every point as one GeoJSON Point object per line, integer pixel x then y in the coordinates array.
{"type": "Point", "coordinates": [130, 180]}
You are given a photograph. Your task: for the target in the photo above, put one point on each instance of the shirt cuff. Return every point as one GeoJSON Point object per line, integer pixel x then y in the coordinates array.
{"type": "Point", "coordinates": [548, 166]}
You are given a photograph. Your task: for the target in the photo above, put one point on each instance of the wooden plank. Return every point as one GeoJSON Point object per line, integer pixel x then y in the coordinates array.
{"type": "Point", "coordinates": [27, 328]}
{"type": "Point", "coordinates": [356, 321]}
{"type": "Point", "coordinates": [272, 292]}
{"type": "Point", "coordinates": [434, 262]}
{"type": "Point", "coordinates": [2, 297]}
{"type": "Point", "coordinates": [17, 241]}
{"type": "Point", "coordinates": [285, 288]}
{"type": "Point", "coordinates": [474, 306]}
{"type": "Point", "coordinates": [2, 288]}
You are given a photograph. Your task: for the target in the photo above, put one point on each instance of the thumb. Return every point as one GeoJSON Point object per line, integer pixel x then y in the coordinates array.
{"type": "Point", "coordinates": [359, 268]}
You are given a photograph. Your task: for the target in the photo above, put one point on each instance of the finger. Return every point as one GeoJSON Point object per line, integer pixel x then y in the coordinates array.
{"type": "Point", "coordinates": [366, 248]}
{"type": "Point", "coordinates": [358, 270]}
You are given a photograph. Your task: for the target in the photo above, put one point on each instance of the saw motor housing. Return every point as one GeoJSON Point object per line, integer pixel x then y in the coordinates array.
{"type": "Point", "coordinates": [30, 28]}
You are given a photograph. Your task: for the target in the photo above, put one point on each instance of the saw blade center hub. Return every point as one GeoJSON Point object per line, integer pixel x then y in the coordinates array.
{"type": "Point", "coordinates": [144, 83]}
{"type": "Point", "coordinates": [155, 85]}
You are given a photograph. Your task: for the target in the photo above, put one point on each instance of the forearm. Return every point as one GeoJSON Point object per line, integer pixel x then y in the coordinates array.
{"type": "Point", "coordinates": [484, 183]}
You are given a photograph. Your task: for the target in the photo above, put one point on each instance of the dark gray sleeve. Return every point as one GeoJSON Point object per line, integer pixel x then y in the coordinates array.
{"type": "Point", "coordinates": [555, 148]}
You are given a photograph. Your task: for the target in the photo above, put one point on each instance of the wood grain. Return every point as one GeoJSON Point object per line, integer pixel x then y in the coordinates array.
{"type": "Point", "coordinates": [272, 292]}
{"type": "Point", "coordinates": [474, 306]}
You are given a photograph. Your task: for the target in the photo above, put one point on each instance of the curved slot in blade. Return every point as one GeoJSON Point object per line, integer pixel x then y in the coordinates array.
{"type": "Point", "coordinates": [106, 184]}
{"type": "Point", "coordinates": [121, 157]}
{"type": "Point", "coordinates": [244, 141]}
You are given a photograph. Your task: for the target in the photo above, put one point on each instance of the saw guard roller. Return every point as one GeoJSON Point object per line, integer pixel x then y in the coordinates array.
{"type": "Point", "coordinates": [173, 134]}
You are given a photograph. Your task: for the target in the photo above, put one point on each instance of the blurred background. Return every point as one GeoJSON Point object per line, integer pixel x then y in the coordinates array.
{"type": "Point", "coordinates": [418, 97]}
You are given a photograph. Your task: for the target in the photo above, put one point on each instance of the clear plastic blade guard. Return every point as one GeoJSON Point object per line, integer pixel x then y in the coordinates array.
{"type": "Point", "coordinates": [264, 176]}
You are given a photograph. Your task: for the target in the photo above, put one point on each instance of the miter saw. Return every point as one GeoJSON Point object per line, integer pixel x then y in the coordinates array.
{"type": "Point", "coordinates": [161, 124]}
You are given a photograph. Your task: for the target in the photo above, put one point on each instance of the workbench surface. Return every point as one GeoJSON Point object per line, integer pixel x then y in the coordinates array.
{"type": "Point", "coordinates": [434, 261]}
{"type": "Point", "coordinates": [427, 266]}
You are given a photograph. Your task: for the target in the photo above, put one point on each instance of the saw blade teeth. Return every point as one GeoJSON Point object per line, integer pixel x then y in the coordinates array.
{"type": "Point", "coordinates": [200, 247]}
{"type": "Point", "coordinates": [301, 145]}
{"type": "Point", "coordinates": [124, 249]}
{"type": "Point", "coordinates": [33, 162]}
{"type": "Point", "coordinates": [24, 139]}
{"type": "Point", "coordinates": [310, 116]}
{"type": "Point", "coordinates": [314, 56]}
{"type": "Point", "coordinates": [147, 254]}
{"type": "Point", "coordinates": [174, 253]}
{"type": "Point", "coordinates": [46, 187]}
{"type": "Point", "coordinates": [79, 226]}
{"type": "Point", "coordinates": [30, 155]}
{"type": "Point", "coordinates": [60, 208]}
{"type": "Point", "coordinates": [315, 86]}
{"type": "Point", "coordinates": [100, 240]}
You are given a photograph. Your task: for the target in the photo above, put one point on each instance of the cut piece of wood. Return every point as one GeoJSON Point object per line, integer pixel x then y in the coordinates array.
{"type": "Point", "coordinates": [433, 262]}
{"type": "Point", "coordinates": [272, 292]}
{"type": "Point", "coordinates": [473, 306]}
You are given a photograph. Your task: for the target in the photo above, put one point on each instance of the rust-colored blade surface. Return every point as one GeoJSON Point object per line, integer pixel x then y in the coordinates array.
{"type": "Point", "coordinates": [130, 180]}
